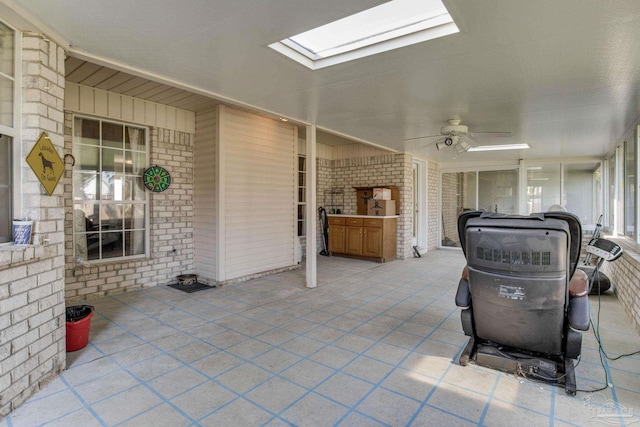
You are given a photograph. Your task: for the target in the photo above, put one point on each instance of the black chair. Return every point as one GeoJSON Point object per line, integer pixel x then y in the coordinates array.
{"type": "Point", "coordinates": [515, 299]}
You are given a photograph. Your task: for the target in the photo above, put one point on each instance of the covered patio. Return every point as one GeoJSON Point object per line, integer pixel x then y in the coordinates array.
{"type": "Point", "coordinates": [373, 344]}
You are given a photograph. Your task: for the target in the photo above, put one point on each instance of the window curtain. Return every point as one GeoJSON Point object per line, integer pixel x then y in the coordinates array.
{"type": "Point", "coordinates": [80, 226]}
{"type": "Point", "coordinates": [136, 241]}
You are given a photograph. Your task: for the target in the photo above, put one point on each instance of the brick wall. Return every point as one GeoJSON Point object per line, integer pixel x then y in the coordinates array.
{"type": "Point", "coordinates": [624, 274]}
{"type": "Point", "coordinates": [432, 205]}
{"type": "Point", "coordinates": [323, 184]}
{"type": "Point", "coordinates": [392, 170]}
{"type": "Point", "coordinates": [171, 226]}
{"type": "Point", "coordinates": [32, 347]}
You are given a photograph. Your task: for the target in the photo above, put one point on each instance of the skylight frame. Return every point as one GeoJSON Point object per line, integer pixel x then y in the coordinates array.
{"type": "Point", "coordinates": [370, 40]}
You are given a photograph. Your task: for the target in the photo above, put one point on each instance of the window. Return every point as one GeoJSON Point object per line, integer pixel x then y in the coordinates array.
{"type": "Point", "coordinates": [576, 187]}
{"type": "Point", "coordinates": [623, 170]}
{"type": "Point", "coordinates": [8, 191]}
{"type": "Point", "coordinates": [302, 188]}
{"type": "Point", "coordinates": [109, 198]}
{"type": "Point", "coordinates": [612, 191]}
{"type": "Point", "coordinates": [5, 189]}
{"type": "Point", "coordinates": [492, 191]}
{"type": "Point", "coordinates": [7, 75]}
{"type": "Point", "coordinates": [543, 187]}
{"type": "Point", "coordinates": [630, 167]}
{"type": "Point", "coordinates": [619, 194]}
{"type": "Point", "coordinates": [582, 191]}
{"type": "Point", "coordinates": [391, 25]}
{"type": "Point", "coordinates": [498, 191]}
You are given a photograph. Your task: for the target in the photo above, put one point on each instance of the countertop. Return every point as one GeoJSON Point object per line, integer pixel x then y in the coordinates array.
{"type": "Point", "coordinates": [363, 216]}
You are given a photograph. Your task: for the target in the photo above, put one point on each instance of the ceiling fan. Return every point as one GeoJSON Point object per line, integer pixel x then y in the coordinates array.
{"type": "Point", "coordinates": [458, 136]}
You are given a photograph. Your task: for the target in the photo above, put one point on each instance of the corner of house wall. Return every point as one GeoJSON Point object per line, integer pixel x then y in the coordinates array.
{"type": "Point", "coordinates": [32, 277]}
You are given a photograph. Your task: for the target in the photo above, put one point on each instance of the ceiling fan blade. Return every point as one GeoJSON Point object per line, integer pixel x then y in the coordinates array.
{"type": "Point", "coordinates": [422, 137]}
{"type": "Point", "coordinates": [491, 134]}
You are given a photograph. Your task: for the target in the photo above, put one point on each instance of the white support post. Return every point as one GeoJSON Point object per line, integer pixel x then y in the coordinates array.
{"type": "Point", "coordinates": [311, 214]}
{"type": "Point", "coordinates": [221, 273]}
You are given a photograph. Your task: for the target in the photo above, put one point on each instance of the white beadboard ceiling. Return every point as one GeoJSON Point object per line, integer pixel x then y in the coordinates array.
{"type": "Point", "coordinates": [561, 75]}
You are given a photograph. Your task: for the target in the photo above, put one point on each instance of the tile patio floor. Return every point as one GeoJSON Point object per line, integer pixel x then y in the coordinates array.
{"type": "Point", "coordinates": [373, 344]}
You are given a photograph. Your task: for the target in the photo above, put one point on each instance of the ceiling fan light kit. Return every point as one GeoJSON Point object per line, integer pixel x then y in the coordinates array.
{"type": "Point", "coordinates": [462, 147]}
{"type": "Point", "coordinates": [458, 136]}
{"type": "Point", "coordinates": [448, 142]}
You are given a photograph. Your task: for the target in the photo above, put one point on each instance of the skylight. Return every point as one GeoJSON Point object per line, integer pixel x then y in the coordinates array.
{"type": "Point", "coordinates": [391, 25]}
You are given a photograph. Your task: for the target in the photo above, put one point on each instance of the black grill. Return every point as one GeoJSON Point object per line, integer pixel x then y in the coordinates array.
{"type": "Point", "coordinates": [514, 257]}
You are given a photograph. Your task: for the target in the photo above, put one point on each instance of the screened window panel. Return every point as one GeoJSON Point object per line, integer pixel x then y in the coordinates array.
{"type": "Point", "coordinates": [543, 187]}
{"type": "Point", "coordinates": [630, 168]}
{"type": "Point", "coordinates": [581, 183]}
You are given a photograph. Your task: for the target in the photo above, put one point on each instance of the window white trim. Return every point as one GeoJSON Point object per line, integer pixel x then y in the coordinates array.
{"type": "Point", "coordinates": [301, 189]}
{"type": "Point", "coordinates": [147, 201]}
{"type": "Point", "coordinates": [14, 131]}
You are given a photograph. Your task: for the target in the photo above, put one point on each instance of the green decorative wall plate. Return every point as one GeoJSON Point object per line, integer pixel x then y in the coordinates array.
{"type": "Point", "coordinates": [157, 179]}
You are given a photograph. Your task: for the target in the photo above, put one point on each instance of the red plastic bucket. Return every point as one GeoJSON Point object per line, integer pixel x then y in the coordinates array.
{"type": "Point", "coordinates": [78, 326]}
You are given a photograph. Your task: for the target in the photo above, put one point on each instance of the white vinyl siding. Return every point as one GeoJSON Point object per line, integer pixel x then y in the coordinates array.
{"type": "Point", "coordinates": [259, 194]}
{"type": "Point", "coordinates": [89, 100]}
{"type": "Point", "coordinates": [204, 194]}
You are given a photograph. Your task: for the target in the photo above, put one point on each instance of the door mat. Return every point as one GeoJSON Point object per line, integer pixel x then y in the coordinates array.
{"type": "Point", "coordinates": [191, 288]}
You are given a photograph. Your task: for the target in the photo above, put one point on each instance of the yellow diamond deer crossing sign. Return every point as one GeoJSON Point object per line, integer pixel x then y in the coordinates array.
{"type": "Point", "coordinates": [46, 163]}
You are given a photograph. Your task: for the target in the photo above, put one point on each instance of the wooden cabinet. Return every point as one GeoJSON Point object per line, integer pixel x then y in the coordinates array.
{"type": "Point", "coordinates": [336, 235]}
{"type": "Point", "coordinates": [364, 238]}
{"type": "Point", "coordinates": [372, 241]}
{"type": "Point", "coordinates": [354, 233]}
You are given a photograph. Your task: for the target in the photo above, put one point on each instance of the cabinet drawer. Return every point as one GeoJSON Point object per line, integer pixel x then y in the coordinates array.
{"type": "Point", "coordinates": [373, 222]}
{"type": "Point", "coordinates": [354, 221]}
{"type": "Point", "coordinates": [336, 221]}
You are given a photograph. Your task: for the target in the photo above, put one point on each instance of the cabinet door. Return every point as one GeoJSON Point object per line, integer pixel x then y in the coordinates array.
{"type": "Point", "coordinates": [336, 239]}
{"type": "Point", "coordinates": [354, 241]}
{"type": "Point", "coordinates": [372, 244]}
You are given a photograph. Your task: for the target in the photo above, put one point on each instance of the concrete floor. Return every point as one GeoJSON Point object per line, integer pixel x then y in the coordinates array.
{"type": "Point", "coordinates": [373, 344]}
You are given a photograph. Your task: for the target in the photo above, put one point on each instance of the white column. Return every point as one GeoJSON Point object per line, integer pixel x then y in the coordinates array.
{"type": "Point", "coordinates": [311, 214]}
{"type": "Point", "coordinates": [221, 273]}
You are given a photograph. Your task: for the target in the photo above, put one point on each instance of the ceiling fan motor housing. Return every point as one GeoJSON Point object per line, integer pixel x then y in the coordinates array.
{"type": "Point", "coordinates": [454, 128]}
